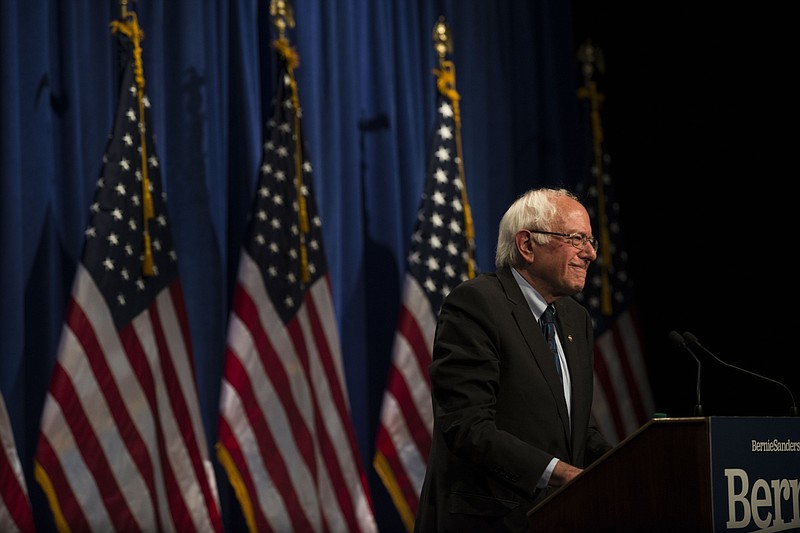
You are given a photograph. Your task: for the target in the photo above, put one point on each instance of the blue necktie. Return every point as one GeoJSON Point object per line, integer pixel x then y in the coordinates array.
{"type": "Point", "coordinates": [549, 328]}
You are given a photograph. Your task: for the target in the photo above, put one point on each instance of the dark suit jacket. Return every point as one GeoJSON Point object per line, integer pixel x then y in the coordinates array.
{"type": "Point", "coordinates": [500, 413]}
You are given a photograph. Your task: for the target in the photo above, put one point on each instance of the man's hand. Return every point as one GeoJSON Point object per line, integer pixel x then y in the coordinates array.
{"type": "Point", "coordinates": [563, 473]}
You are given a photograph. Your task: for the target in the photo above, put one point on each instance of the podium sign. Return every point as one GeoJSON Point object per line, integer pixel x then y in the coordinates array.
{"type": "Point", "coordinates": [755, 473]}
{"type": "Point", "coordinates": [699, 474]}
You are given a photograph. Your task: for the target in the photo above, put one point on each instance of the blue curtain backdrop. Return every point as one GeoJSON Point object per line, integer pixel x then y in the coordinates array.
{"type": "Point", "coordinates": [367, 91]}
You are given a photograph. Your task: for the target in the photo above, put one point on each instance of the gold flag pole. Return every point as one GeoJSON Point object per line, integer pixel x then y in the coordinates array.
{"type": "Point", "coordinates": [129, 26]}
{"type": "Point", "coordinates": [283, 18]}
{"type": "Point", "coordinates": [591, 58]}
{"type": "Point", "coordinates": [446, 84]}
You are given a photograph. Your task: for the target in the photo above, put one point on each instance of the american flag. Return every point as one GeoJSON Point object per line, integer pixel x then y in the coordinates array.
{"type": "Point", "coordinates": [121, 444]}
{"type": "Point", "coordinates": [440, 257]}
{"type": "Point", "coordinates": [623, 399]}
{"type": "Point", "coordinates": [286, 438]}
{"type": "Point", "coordinates": [15, 507]}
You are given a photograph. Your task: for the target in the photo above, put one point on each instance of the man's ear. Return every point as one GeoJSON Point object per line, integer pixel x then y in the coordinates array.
{"type": "Point", "coordinates": [524, 242]}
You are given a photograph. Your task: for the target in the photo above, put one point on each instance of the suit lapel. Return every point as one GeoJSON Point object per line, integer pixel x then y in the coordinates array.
{"type": "Point", "coordinates": [532, 333]}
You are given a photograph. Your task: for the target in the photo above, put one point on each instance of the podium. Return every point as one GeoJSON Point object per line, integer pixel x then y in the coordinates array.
{"type": "Point", "coordinates": [699, 474]}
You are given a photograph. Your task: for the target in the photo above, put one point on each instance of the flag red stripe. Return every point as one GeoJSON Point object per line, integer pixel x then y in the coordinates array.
{"type": "Point", "coordinates": [297, 382]}
{"type": "Point", "coordinates": [334, 382]}
{"type": "Point", "coordinates": [231, 444]}
{"type": "Point", "coordinates": [179, 307]}
{"type": "Point", "coordinates": [70, 507]}
{"type": "Point", "coordinates": [641, 381]}
{"type": "Point", "coordinates": [157, 473]}
{"type": "Point", "coordinates": [77, 321]}
{"type": "Point", "coordinates": [331, 373]}
{"type": "Point", "coordinates": [604, 379]}
{"type": "Point", "coordinates": [122, 412]}
{"type": "Point", "coordinates": [408, 327]}
{"type": "Point", "coordinates": [14, 497]}
{"type": "Point", "coordinates": [247, 312]}
{"type": "Point", "coordinates": [181, 411]}
{"type": "Point", "coordinates": [413, 421]}
{"type": "Point", "coordinates": [239, 379]}
{"type": "Point", "coordinates": [316, 397]}
{"type": "Point", "coordinates": [630, 379]}
{"type": "Point", "coordinates": [12, 490]}
{"type": "Point", "coordinates": [64, 393]}
{"type": "Point", "coordinates": [388, 450]}
{"type": "Point", "coordinates": [411, 348]}
{"type": "Point", "coordinates": [410, 330]}
{"type": "Point", "coordinates": [331, 461]}
{"type": "Point", "coordinates": [143, 371]}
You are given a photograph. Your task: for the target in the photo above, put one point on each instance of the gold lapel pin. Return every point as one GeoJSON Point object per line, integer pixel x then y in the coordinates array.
{"type": "Point", "coordinates": [569, 338]}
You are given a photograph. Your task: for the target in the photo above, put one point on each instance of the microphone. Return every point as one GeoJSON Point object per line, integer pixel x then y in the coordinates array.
{"type": "Point", "coordinates": [676, 339]}
{"type": "Point", "coordinates": [691, 339]}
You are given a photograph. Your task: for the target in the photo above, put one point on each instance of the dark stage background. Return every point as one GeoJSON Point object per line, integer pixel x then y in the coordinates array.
{"type": "Point", "coordinates": [698, 106]}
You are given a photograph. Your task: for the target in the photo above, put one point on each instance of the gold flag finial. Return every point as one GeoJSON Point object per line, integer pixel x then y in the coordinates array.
{"type": "Point", "coordinates": [591, 59]}
{"type": "Point", "coordinates": [282, 15]}
{"type": "Point", "coordinates": [442, 41]}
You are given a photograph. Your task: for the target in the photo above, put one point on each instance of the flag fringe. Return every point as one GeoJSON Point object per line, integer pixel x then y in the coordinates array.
{"type": "Point", "coordinates": [384, 471]}
{"type": "Point", "coordinates": [47, 487]}
{"type": "Point", "coordinates": [236, 481]}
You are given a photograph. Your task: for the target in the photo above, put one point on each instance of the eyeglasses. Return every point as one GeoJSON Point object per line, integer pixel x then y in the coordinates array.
{"type": "Point", "coordinates": [578, 240]}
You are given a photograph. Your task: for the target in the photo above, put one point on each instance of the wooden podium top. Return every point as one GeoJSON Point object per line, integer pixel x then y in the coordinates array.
{"type": "Point", "coordinates": [657, 479]}
{"type": "Point", "coordinates": [699, 474]}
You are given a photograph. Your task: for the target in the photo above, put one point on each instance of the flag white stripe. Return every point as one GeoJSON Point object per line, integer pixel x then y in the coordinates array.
{"type": "Point", "coordinates": [417, 303]}
{"type": "Point", "coordinates": [268, 400]}
{"type": "Point", "coordinates": [394, 420]}
{"type": "Point", "coordinates": [75, 363]}
{"type": "Point", "coordinates": [602, 413]}
{"type": "Point", "coordinates": [302, 478]}
{"type": "Point", "coordinates": [178, 451]}
{"type": "Point", "coordinates": [280, 427]}
{"type": "Point", "coordinates": [9, 446]}
{"type": "Point", "coordinates": [414, 464]}
{"type": "Point", "coordinates": [323, 301]}
{"type": "Point", "coordinates": [405, 360]}
{"type": "Point", "coordinates": [313, 448]}
{"type": "Point", "coordinates": [278, 335]}
{"type": "Point", "coordinates": [310, 392]}
{"type": "Point", "coordinates": [407, 367]}
{"type": "Point", "coordinates": [179, 355]}
{"type": "Point", "coordinates": [98, 413]}
{"type": "Point", "coordinates": [334, 517]}
{"type": "Point", "coordinates": [88, 297]}
{"type": "Point", "coordinates": [7, 524]}
{"type": "Point", "coordinates": [7, 521]}
{"type": "Point", "coordinates": [323, 388]}
{"type": "Point", "coordinates": [269, 496]}
{"type": "Point", "coordinates": [608, 351]}
{"type": "Point", "coordinates": [633, 347]}
{"type": "Point", "coordinates": [76, 472]}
